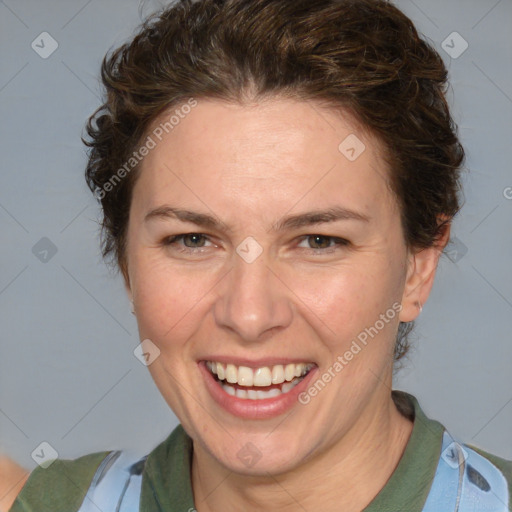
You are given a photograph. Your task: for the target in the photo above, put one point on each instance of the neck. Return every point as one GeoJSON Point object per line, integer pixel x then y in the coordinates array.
{"type": "Point", "coordinates": [346, 477]}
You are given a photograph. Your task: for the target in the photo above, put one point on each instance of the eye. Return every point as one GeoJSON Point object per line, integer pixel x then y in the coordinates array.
{"type": "Point", "coordinates": [322, 243]}
{"type": "Point", "coordinates": [191, 241]}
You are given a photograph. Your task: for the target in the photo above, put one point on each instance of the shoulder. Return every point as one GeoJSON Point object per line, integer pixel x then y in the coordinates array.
{"type": "Point", "coordinates": [12, 479]}
{"type": "Point", "coordinates": [503, 466]}
{"type": "Point", "coordinates": [459, 471]}
{"type": "Point", "coordinates": [61, 487]}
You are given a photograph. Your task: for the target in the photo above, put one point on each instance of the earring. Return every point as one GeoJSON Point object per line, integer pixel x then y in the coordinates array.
{"type": "Point", "coordinates": [420, 307]}
{"type": "Point", "coordinates": [132, 307]}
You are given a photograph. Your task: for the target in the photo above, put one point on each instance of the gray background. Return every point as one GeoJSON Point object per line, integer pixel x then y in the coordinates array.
{"type": "Point", "coordinates": [68, 375]}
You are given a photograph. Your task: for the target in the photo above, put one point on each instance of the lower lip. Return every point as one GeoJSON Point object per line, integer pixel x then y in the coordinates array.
{"type": "Point", "coordinates": [254, 409]}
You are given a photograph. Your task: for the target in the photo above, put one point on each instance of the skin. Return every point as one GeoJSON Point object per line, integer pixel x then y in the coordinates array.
{"type": "Point", "coordinates": [249, 166]}
{"type": "Point", "coordinates": [12, 479]}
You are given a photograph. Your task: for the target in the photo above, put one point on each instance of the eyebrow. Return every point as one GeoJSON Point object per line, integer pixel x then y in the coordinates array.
{"type": "Point", "coordinates": [289, 222]}
{"type": "Point", "coordinates": [200, 219]}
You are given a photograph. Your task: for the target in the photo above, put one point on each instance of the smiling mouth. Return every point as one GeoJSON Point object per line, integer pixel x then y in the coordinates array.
{"type": "Point", "coordinates": [258, 383]}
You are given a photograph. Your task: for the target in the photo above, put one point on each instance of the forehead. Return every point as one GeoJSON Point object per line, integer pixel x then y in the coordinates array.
{"type": "Point", "coordinates": [267, 155]}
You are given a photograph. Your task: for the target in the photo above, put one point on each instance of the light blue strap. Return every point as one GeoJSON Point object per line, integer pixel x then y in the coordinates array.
{"type": "Point", "coordinates": [444, 492]}
{"type": "Point", "coordinates": [466, 482]}
{"type": "Point", "coordinates": [484, 487]}
{"type": "Point", "coordinates": [116, 485]}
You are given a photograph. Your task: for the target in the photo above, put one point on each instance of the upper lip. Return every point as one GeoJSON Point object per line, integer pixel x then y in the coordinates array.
{"type": "Point", "coordinates": [256, 363]}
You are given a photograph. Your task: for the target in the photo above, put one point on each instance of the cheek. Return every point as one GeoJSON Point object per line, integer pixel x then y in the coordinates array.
{"type": "Point", "coordinates": [345, 302]}
{"type": "Point", "coordinates": [166, 299]}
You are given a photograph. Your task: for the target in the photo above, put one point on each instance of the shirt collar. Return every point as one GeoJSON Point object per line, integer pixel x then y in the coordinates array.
{"type": "Point", "coordinates": [166, 484]}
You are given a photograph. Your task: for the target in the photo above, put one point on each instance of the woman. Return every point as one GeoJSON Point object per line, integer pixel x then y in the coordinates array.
{"type": "Point", "coordinates": [277, 181]}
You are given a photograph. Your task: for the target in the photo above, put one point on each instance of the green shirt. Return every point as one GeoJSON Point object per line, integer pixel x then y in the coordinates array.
{"type": "Point", "coordinates": [166, 483]}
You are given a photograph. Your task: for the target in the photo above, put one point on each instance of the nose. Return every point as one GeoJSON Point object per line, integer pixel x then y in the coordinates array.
{"type": "Point", "coordinates": [253, 301]}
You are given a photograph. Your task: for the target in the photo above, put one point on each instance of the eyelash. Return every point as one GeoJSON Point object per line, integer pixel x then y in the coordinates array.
{"type": "Point", "coordinates": [340, 242]}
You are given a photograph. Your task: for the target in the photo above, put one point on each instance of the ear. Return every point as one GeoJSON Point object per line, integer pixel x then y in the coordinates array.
{"type": "Point", "coordinates": [422, 266]}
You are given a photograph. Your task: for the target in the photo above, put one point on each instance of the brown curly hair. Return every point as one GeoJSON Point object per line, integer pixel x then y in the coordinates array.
{"type": "Point", "coordinates": [362, 56]}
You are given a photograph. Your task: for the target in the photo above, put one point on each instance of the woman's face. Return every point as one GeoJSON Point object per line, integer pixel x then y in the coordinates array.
{"type": "Point", "coordinates": [259, 282]}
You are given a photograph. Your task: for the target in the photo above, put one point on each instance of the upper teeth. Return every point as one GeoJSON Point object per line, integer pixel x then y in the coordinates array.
{"type": "Point", "coordinates": [265, 376]}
